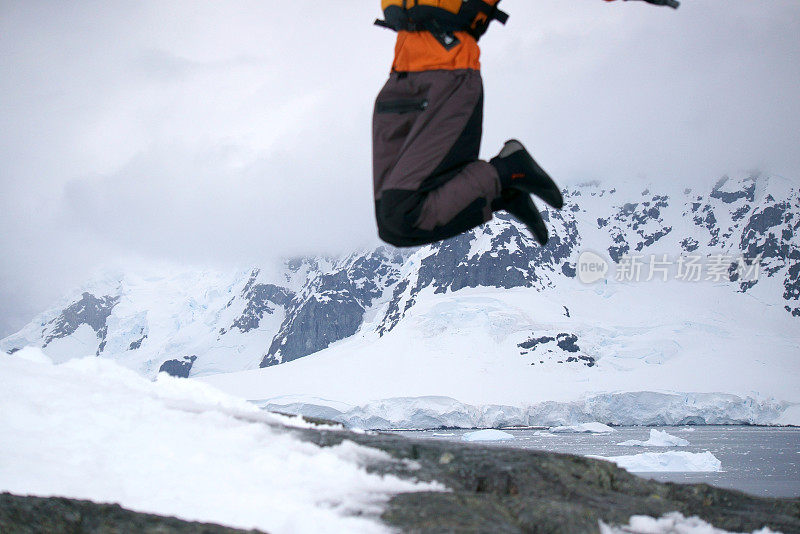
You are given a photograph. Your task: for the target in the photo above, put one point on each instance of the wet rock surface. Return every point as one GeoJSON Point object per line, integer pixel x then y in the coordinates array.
{"type": "Point", "coordinates": [36, 515]}
{"type": "Point", "coordinates": [491, 489]}
{"type": "Point", "coordinates": [510, 490]}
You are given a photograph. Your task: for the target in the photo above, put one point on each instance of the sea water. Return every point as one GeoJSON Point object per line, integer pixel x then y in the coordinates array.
{"type": "Point", "coordinates": [762, 461]}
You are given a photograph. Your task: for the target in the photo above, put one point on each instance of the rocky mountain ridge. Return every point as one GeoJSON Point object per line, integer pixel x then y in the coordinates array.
{"type": "Point", "coordinates": [196, 323]}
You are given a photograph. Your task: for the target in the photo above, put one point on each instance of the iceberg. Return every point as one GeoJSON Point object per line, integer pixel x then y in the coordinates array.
{"type": "Point", "coordinates": [658, 438]}
{"type": "Point", "coordinates": [672, 461]}
{"type": "Point", "coordinates": [487, 435]}
{"type": "Point", "coordinates": [584, 428]}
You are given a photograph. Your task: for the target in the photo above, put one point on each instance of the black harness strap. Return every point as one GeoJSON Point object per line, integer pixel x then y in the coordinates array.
{"type": "Point", "coordinates": [383, 24]}
{"type": "Point", "coordinates": [446, 37]}
{"type": "Point", "coordinates": [494, 12]}
{"type": "Point", "coordinates": [500, 16]}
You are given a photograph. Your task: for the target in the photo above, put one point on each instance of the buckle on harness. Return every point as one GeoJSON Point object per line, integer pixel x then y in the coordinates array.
{"type": "Point", "coordinates": [446, 38]}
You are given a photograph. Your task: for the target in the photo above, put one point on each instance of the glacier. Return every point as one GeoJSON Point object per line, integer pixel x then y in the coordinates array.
{"type": "Point", "coordinates": [421, 413]}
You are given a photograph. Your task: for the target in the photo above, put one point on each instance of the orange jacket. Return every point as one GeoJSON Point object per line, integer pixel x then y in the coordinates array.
{"type": "Point", "coordinates": [420, 51]}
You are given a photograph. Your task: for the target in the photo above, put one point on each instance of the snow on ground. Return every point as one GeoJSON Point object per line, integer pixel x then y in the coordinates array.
{"type": "Point", "coordinates": [658, 438]}
{"type": "Point", "coordinates": [487, 435]}
{"type": "Point", "coordinates": [674, 523]}
{"type": "Point", "coordinates": [585, 428]}
{"type": "Point", "coordinates": [91, 429]}
{"type": "Point", "coordinates": [672, 462]}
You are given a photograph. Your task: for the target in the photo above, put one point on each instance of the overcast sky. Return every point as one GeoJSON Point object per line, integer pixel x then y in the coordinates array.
{"type": "Point", "coordinates": [204, 132]}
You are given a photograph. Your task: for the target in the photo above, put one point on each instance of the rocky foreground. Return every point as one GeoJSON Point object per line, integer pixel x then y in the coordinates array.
{"type": "Point", "coordinates": [493, 490]}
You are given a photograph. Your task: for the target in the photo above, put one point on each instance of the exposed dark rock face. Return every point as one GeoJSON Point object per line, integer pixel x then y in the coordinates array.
{"type": "Point", "coordinates": [638, 225]}
{"type": "Point", "coordinates": [332, 304]}
{"type": "Point", "coordinates": [620, 248]}
{"type": "Point", "coordinates": [102, 334]}
{"type": "Point", "coordinates": [89, 310]}
{"type": "Point", "coordinates": [588, 361]}
{"type": "Point", "coordinates": [708, 220]}
{"type": "Point", "coordinates": [261, 300]}
{"type": "Point", "coordinates": [763, 237]}
{"type": "Point", "coordinates": [397, 308]}
{"type": "Point", "coordinates": [313, 324]}
{"type": "Point", "coordinates": [136, 345]}
{"type": "Point", "coordinates": [54, 515]}
{"type": "Point", "coordinates": [565, 342]}
{"type": "Point", "coordinates": [748, 193]}
{"type": "Point", "coordinates": [568, 342]}
{"type": "Point", "coordinates": [769, 235]}
{"type": "Point", "coordinates": [180, 368]}
{"type": "Point", "coordinates": [739, 214]}
{"type": "Point", "coordinates": [533, 342]}
{"type": "Point", "coordinates": [690, 244]}
{"type": "Point", "coordinates": [491, 489]}
{"type": "Point", "coordinates": [566, 350]}
{"type": "Point", "coordinates": [792, 284]}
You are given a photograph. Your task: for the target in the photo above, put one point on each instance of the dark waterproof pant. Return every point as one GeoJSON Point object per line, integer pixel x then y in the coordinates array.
{"type": "Point", "coordinates": [429, 183]}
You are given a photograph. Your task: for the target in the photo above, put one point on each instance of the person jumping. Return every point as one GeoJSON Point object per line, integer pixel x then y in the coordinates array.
{"type": "Point", "coordinates": [429, 184]}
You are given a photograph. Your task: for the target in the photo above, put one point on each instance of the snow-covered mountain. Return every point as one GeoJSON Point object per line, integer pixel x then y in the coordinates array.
{"type": "Point", "coordinates": [490, 303]}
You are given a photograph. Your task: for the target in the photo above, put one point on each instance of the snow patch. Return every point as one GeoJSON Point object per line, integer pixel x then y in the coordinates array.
{"type": "Point", "coordinates": [673, 523]}
{"type": "Point", "coordinates": [33, 354]}
{"type": "Point", "coordinates": [91, 429]}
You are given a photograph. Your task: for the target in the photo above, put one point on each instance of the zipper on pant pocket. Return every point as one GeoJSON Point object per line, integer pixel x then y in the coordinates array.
{"type": "Point", "coordinates": [402, 106]}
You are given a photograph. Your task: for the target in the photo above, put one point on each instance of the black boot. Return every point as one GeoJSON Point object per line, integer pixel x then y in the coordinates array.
{"type": "Point", "coordinates": [518, 170]}
{"type": "Point", "coordinates": [521, 206]}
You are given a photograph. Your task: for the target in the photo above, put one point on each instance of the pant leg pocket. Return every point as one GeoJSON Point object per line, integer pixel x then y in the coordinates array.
{"type": "Point", "coordinates": [401, 105]}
